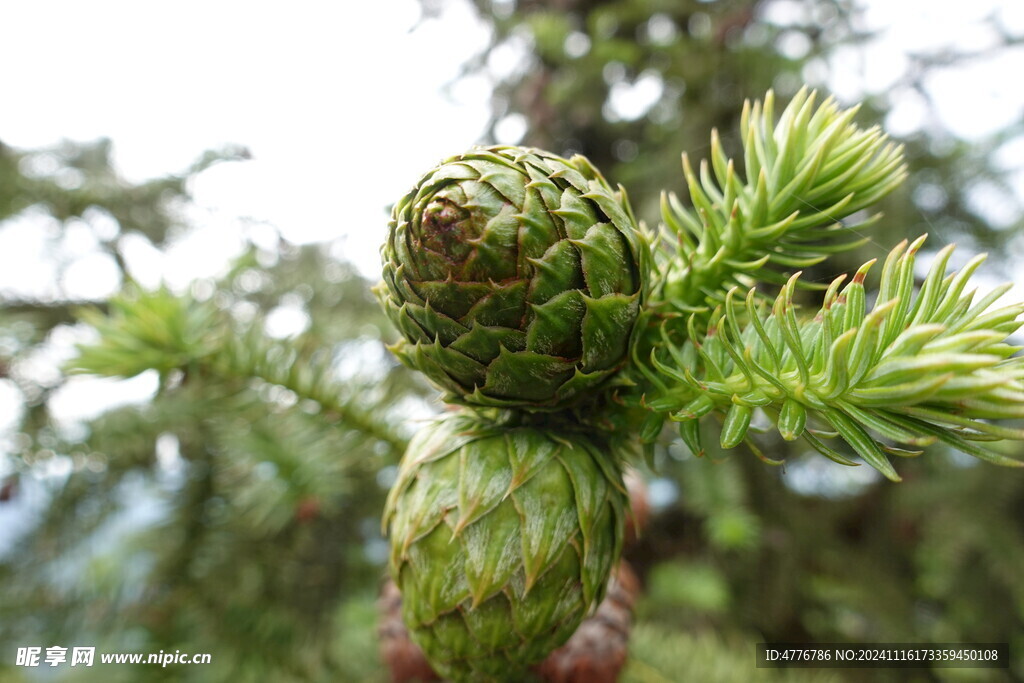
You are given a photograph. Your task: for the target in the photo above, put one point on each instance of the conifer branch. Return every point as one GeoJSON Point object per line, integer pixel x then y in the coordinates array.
{"type": "Point", "coordinates": [921, 368]}
{"type": "Point", "coordinates": [804, 175]}
{"type": "Point", "coordinates": [255, 355]}
{"type": "Point", "coordinates": [161, 331]}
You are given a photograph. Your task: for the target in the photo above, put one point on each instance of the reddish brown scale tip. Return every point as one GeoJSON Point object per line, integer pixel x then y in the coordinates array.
{"type": "Point", "coordinates": [443, 229]}
{"type": "Point", "coordinates": [858, 279]}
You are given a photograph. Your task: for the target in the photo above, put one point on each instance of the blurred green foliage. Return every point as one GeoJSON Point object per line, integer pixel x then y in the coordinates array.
{"type": "Point", "coordinates": [234, 512]}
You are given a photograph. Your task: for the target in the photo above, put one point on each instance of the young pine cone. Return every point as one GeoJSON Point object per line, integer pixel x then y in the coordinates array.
{"type": "Point", "coordinates": [502, 541]}
{"type": "Point", "coordinates": [515, 277]}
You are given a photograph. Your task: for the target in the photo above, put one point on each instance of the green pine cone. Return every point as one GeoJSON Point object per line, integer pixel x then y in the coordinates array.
{"type": "Point", "coordinates": [502, 540]}
{"type": "Point", "coordinates": [515, 277]}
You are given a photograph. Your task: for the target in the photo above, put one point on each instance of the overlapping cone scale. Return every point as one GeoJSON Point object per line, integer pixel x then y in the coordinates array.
{"type": "Point", "coordinates": [515, 277]}
{"type": "Point", "coordinates": [502, 540]}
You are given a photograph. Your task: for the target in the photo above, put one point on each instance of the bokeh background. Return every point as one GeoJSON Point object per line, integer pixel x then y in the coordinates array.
{"type": "Point", "coordinates": [198, 191]}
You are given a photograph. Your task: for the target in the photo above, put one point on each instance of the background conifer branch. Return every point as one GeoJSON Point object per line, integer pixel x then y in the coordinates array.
{"type": "Point", "coordinates": [161, 331]}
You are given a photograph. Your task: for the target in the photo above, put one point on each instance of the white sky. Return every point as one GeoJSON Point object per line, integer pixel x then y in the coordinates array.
{"type": "Point", "coordinates": [339, 104]}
